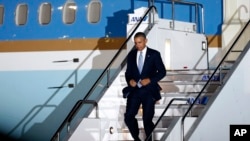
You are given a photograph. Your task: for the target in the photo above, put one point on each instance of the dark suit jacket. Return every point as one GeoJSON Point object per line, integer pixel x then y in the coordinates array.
{"type": "Point", "coordinates": [153, 69]}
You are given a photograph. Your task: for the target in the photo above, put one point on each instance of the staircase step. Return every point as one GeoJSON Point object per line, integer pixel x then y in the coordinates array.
{"type": "Point", "coordinates": [182, 88]}
{"type": "Point", "coordinates": [189, 82]}
{"type": "Point", "coordinates": [188, 72]}
{"type": "Point", "coordinates": [167, 97]}
{"type": "Point", "coordinates": [174, 110]}
{"type": "Point", "coordinates": [190, 78]}
{"type": "Point", "coordinates": [186, 75]}
{"type": "Point", "coordinates": [127, 136]}
{"type": "Point", "coordinates": [124, 134]}
{"type": "Point", "coordinates": [125, 130]}
{"type": "Point", "coordinates": [178, 106]}
{"type": "Point", "coordinates": [179, 110]}
{"type": "Point", "coordinates": [185, 94]}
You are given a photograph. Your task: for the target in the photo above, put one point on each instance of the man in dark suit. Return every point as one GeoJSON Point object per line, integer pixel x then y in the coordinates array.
{"type": "Point", "coordinates": [144, 69]}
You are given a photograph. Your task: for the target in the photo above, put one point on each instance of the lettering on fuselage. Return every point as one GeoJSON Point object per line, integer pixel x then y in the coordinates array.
{"type": "Point", "coordinates": [137, 19]}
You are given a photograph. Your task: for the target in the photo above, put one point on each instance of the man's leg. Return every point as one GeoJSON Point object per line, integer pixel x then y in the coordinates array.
{"type": "Point", "coordinates": [148, 105]}
{"type": "Point", "coordinates": [133, 104]}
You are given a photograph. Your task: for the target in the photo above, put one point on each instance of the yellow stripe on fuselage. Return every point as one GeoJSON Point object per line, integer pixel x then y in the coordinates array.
{"type": "Point", "coordinates": [61, 44]}
{"type": "Point", "coordinates": [214, 41]}
{"type": "Point", "coordinates": [76, 44]}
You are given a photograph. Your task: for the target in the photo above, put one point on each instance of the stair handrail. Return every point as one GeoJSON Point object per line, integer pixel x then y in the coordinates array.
{"type": "Point", "coordinates": [77, 107]}
{"type": "Point", "coordinates": [210, 79]}
{"type": "Point", "coordinates": [79, 103]}
{"type": "Point", "coordinates": [163, 113]}
{"type": "Point", "coordinates": [196, 12]}
{"type": "Point", "coordinates": [70, 116]}
{"type": "Point", "coordinates": [118, 52]}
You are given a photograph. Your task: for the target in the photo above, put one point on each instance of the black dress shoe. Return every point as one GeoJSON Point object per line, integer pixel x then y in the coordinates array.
{"type": "Point", "coordinates": [149, 139]}
{"type": "Point", "coordinates": [137, 139]}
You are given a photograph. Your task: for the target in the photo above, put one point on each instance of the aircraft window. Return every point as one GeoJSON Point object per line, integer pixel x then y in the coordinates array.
{"type": "Point", "coordinates": [69, 12]}
{"type": "Point", "coordinates": [1, 14]}
{"type": "Point", "coordinates": [21, 14]}
{"type": "Point", "coordinates": [94, 11]}
{"type": "Point", "coordinates": [45, 13]}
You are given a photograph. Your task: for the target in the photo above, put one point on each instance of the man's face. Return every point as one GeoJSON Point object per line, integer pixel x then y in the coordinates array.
{"type": "Point", "coordinates": [140, 43]}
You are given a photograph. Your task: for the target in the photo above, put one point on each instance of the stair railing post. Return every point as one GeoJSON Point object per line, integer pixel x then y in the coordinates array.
{"type": "Point", "coordinates": [173, 15]}
{"type": "Point", "coordinates": [220, 75]}
{"type": "Point", "coordinates": [108, 76]}
{"type": "Point", "coordinates": [58, 136]}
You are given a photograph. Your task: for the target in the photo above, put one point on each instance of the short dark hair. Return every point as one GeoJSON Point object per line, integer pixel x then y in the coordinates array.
{"type": "Point", "coordinates": [140, 34]}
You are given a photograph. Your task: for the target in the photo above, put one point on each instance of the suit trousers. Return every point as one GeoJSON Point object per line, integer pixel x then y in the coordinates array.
{"type": "Point", "coordinates": [140, 96]}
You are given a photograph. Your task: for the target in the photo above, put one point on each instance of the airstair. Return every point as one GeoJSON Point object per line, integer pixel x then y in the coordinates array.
{"type": "Point", "coordinates": [186, 93]}
{"type": "Point", "coordinates": [182, 86]}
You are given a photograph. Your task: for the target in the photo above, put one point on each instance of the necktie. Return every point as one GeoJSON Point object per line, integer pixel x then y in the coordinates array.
{"type": "Point", "coordinates": [140, 62]}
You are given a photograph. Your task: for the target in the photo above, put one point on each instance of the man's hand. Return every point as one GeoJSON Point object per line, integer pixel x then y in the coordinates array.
{"type": "Point", "coordinates": [132, 83]}
{"type": "Point", "coordinates": [145, 82]}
